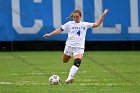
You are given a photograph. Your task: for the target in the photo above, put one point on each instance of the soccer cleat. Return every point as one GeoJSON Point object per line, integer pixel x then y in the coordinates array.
{"type": "Point", "coordinates": [68, 81]}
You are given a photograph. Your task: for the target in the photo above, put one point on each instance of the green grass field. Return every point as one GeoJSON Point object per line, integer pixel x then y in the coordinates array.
{"type": "Point", "coordinates": [100, 72]}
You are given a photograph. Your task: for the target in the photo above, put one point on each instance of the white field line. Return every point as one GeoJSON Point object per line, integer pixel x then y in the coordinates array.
{"type": "Point", "coordinates": [44, 73]}
{"type": "Point", "coordinates": [38, 73]}
{"type": "Point", "coordinates": [107, 84]}
{"type": "Point", "coordinates": [21, 83]}
{"type": "Point", "coordinates": [84, 82]}
{"type": "Point", "coordinates": [6, 83]}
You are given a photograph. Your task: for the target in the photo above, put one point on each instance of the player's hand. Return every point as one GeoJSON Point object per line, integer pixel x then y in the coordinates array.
{"type": "Point", "coordinates": [105, 11]}
{"type": "Point", "coordinates": [46, 35]}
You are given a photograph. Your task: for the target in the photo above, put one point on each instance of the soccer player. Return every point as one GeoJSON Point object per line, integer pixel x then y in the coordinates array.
{"type": "Point", "coordinates": [75, 42]}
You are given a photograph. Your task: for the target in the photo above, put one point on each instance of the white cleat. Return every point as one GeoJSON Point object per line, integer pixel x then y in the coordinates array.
{"type": "Point", "coordinates": [68, 81]}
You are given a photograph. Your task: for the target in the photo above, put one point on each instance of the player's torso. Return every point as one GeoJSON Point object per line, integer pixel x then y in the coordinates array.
{"type": "Point", "coordinates": [76, 34]}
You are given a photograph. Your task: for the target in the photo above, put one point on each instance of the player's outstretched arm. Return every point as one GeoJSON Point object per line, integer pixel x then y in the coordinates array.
{"type": "Point", "coordinates": [57, 31]}
{"type": "Point", "coordinates": [99, 21]}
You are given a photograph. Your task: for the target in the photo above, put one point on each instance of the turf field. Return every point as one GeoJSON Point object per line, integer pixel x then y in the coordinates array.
{"type": "Point", "coordinates": [100, 72]}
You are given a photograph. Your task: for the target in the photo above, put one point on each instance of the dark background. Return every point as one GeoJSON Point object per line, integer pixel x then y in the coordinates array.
{"type": "Point", "coordinates": [59, 46]}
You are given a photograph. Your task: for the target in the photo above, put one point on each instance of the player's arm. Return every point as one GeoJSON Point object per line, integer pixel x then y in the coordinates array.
{"type": "Point", "coordinates": [99, 21]}
{"type": "Point", "coordinates": [57, 31]}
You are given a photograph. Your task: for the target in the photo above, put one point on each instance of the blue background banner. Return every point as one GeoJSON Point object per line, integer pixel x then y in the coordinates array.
{"type": "Point", "coordinates": [29, 20]}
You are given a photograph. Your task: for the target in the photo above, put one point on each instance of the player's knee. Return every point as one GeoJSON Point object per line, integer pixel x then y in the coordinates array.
{"type": "Point", "coordinates": [65, 60]}
{"type": "Point", "coordinates": [77, 62]}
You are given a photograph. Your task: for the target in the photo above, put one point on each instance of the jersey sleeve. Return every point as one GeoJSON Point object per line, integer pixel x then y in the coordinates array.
{"type": "Point", "coordinates": [65, 26]}
{"type": "Point", "coordinates": [89, 25]}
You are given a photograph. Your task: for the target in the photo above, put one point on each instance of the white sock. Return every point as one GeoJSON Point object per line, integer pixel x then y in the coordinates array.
{"type": "Point", "coordinates": [72, 72]}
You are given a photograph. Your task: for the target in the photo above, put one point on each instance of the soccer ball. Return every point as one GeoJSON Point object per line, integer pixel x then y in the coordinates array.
{"type": "Point", "coordinates": [54, 79]}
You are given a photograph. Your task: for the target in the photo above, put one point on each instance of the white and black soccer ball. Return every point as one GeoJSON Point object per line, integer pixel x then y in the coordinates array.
{"type": "Point", "coordinates": [54, 80]}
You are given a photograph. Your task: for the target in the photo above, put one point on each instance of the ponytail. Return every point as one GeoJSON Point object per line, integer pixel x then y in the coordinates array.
{"type": "Point", "coordinates": [71, 16]}
{"type": "Point", "coordinates": [75, 11]}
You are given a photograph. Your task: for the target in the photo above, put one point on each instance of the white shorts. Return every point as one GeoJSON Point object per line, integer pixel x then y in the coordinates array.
{"type": "Point", "coordinates": [72, 51]}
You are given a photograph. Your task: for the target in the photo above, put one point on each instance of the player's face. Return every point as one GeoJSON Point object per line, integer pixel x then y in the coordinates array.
{"type": "Point", "coordinates": [76, 17]}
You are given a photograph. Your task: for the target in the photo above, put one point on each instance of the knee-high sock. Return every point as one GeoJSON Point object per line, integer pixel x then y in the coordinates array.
{"type": "Point", "coordinates": [72, 72]}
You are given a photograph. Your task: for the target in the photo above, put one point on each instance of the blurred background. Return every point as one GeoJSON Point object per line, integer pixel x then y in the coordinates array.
{"type": "Point", "coordinates": [24, 22]}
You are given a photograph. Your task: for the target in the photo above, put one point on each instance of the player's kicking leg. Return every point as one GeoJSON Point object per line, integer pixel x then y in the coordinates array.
{"type": "Point", "coordinates": [74, 68]}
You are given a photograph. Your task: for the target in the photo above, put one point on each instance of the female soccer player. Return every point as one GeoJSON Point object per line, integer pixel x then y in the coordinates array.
{"type": "Point", "coordinates": [75, 42]}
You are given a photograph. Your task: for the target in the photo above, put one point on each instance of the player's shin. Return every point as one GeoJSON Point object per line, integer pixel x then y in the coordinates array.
{"type": "Point", "coordinates": [74, 68]}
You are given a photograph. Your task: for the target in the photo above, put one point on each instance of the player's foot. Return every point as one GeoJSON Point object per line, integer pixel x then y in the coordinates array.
{"type": "Point", "coordinates": [68, 81]}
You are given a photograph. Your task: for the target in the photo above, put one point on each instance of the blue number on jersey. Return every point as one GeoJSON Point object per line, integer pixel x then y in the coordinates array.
{"type": "Point", "coordinates": [78, 32]}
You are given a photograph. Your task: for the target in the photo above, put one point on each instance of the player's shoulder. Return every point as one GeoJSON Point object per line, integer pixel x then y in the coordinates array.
{"type": "Point", "coordinates": [85, 22]}
{"type": "Point", "coordinates": [73, 22]}
{"type": "Point", "coordinates": [69, 22]}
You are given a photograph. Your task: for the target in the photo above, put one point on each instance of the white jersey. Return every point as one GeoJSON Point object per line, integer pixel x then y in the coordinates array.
{"type": "Point", "coordinates": [76, 33]}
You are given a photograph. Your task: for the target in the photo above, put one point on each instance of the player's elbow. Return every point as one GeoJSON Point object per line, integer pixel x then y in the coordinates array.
{"type": "Point", "coordinates": [96, 25]}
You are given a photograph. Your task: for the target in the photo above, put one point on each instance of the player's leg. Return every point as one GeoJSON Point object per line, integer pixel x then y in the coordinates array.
{"type": "Point", "coordinates": [73, 70]}
{"type": "Point", "coordinates": [67, 54]}
{"type": "Point", "coordinates": [66, 58]}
